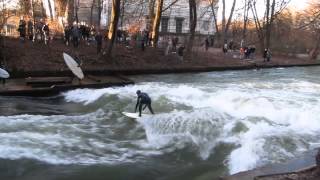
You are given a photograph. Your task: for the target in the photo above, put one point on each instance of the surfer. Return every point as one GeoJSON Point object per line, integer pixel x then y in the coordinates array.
{"type": "Point", "coordinates": [143, 99]}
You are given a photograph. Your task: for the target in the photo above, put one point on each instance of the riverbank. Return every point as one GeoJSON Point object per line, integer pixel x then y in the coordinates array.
{"type": "Point", "coordinates": [34, 59]}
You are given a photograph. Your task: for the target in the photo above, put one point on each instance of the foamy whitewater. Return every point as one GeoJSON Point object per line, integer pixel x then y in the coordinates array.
{"type": "Point", "coordinates": [250, 118]}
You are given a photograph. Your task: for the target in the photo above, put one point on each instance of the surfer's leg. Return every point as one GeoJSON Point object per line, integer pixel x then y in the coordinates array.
{"type": "Point", "coordinates": [140, 109]}
{"type": "Point", "coordinates": [150, 108]}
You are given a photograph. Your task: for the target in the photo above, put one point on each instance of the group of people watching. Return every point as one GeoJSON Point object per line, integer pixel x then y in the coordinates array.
{"type": "Point", "coordinates": [39, 32]}
{"type": "Point", "coordinates": [77, 32]}
{"type": "Point", "coordinates": [247, 52]}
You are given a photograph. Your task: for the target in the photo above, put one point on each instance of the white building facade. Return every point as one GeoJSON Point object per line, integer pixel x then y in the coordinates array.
{"type": "Point", "coordinates": [176, 18]}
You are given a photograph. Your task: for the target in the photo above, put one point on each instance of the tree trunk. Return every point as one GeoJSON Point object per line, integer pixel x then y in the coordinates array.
{"type": "Point", "coordinates": [270, 19]}
{"type": "Point", "coordinates": [43, 12]}
{"type": "Point", "coordinates": [259, 28]}
{"type": "Point", "coordinates": [215, 19]}
{"type": "Point", "coordinates": [76, 10]}
{"type": "Point", "coordinates": [227, 26]}
{"type": "Point", "coordinates": [223, 22]}
{"type": "Point", "coordinates": [151, 15]}
{"type": "Point", "coordinates": [100, 2]}
{"type": "Point", "coordinates": [193, 24]}
{"type": "Point", "coordinates": [33, 19]}
{"type": "Point", "coordinates": [122, 14]}
{"type": "Point", "coordinates": [245, 23]}
{"type": "Point", "coordinates": [70, 12]}
{"type": "Point", "coordinates": [156, 23]}
{"type": "Point", "coordinates": [91, 11]}
{"type": "Point", "coordinates": [115, 13]}
{"type": "Point", "coordinates": [50, 10]}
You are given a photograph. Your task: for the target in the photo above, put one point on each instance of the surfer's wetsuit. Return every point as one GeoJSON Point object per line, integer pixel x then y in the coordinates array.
{"type": "Point", "coordinates": [143, 99]}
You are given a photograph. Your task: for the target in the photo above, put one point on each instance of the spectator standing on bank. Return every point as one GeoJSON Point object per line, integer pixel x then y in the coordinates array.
{"type": "Point", "coordinates": [266, 55]}
{"type": "Point", "coordinates": [98, 39]}
{"type": "Point", "coordinates": [175, 42]}
{"type": "Point", "coordinates": [76, 35]}
{"type": "Point", "coordinates": [30, 30]}
{"type": "Point", "coordinates": [93, 32]}
{"type": "Point", "coordinates": [22, 29]}
{"type": "Point", "coordinates": [67, 33]}
{"type": "Point", "coordinates": [252, 52]}
{"type": "Point", "coordinates": [46, 33]}
{"type": "Point", "coordinates": [180, 52]}
{"type": "Point", "coordinates": [269, 55]}
{"type": "Point", "coordinates": [225, 48]}
{"type": "Point", "coordinates": [38, 34]}
{"type": "Point", "coordinates": [241, 53]}
{"type": "Point", "coordinates": [206, 43]}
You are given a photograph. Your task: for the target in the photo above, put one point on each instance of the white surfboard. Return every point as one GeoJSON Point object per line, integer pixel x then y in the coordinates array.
{"type": "Point", "coordinates": [4, 74]}
{"type": "Point", "coordinates": [134, 115]}
{"type": "Point", "coordinates": [73, 66]}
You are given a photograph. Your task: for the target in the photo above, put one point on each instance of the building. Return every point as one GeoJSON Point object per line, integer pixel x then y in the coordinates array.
{"type": "Point", "coordinates": [174, 21]}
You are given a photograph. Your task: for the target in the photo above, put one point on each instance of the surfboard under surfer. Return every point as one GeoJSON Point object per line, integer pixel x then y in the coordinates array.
{"type": "Point", "coordinates": [143, 99]}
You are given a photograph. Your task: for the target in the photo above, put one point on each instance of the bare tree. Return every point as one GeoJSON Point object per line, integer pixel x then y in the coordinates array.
{"type": "Point", "coordinates": [76, 9]}
{"type": "Point", "coordinates": [212, 4]}
{"type": "Point", "coordinates": [5, 14]}
{"type": "Point", "coordinates": [264, 25]}
{"type": "Point", "coordinates": [311, 22]}
{"type": "Point", "coordinates": [70, 11]}
{"type": "Point", "coordinates": [100, 5]}
{"type": "Point", "coordinates": [170, 5]}
{"type": "Point", "coordinates": [50, 10]}
{"type": "Point", "coordinates": [226, 24]}
{"type": "Point", "coordinates": [115, 13]}
{"type": "Point", "coordinates": [192, 24]}
{"type": "Point", "coordinates": [151, 16]}
{"type": "Point", "coordinates": [91, 11]}
{"type": "Point", "coordinates": [245, 21]}
{"type": "Point", "coordinates": [156, 23]}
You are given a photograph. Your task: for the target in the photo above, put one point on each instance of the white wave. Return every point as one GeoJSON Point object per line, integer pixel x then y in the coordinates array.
{"type": "Point", "coordinates": [176, 129]}
{"type": "Point", "coordinates": [267, 110]}
{"type": "Point", "coordinates": [64, 140]}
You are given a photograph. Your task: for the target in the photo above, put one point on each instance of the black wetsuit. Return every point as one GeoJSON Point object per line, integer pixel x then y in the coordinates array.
{"type": "Point", "coordinates": [143, 99]}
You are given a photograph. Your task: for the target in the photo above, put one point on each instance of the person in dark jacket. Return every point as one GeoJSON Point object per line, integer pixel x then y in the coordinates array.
{"type": "Point", "coordinates": [143, 99]}
{"type": "Point", "coordinates": [22, 29]}
{"type": "Point", "coordinates": [30, 30]}
{"type": "Point", "coordinates": [76, 35]}
{"type": "Point", "coordinates": [206, 44]}
{"type": "Point", "coordinates": [98, 39]}
{"type": "Point", "coordinates": [67, 34]}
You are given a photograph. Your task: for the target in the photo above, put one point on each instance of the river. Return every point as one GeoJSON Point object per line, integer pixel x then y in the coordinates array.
{"type": "Point", "coordinates": [206, 125]}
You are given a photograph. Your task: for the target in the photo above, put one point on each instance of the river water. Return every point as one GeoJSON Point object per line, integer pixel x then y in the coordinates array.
{"type": "Point", "coordinates": [206, 125]}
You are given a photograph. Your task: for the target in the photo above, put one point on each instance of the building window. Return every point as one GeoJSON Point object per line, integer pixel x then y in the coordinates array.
{"type": "Point", "coordinates": [179, 24]}
{"type": "Point", "coordinates": [164, 24]}
{"type": "Point", "coordinates": [205, 25]}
